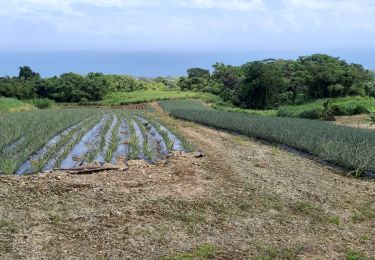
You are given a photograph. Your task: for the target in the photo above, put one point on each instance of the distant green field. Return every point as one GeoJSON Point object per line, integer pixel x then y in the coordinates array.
{"type": "Point", "coordinates": [169, 105]}
{"type": "Point", "coordinates": [14, 105]}
{"type": "Point", "coordinates": [144, 96]}
{"type": "Point", "coordinates": [346, 106]}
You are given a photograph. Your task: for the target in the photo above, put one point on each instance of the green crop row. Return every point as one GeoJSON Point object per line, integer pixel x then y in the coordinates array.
{"type": "Point", "coordinates": [21, 134]}
{"type": "Point", "coordinates": [349, 147]}
{"type": "Point", "coordinates": [169, 105]}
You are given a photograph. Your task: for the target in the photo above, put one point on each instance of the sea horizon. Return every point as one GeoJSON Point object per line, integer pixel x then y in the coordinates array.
{"type": "Point", "coordinates": [151, 63]}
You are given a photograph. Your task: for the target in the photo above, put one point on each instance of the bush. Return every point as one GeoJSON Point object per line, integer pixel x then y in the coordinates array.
{"type": "Point", "coordinates": [41, 103]}
{"type": "Point", "coordinates": [14, 105]}
{"type": "Point", "coordinates": [313, 113]}
{"type": "Point", "coordinates": [347, 106]}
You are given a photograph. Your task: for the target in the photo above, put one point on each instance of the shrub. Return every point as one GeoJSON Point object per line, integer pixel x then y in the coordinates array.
{"type": "Point", "coordinates": [313, 113]}
{"type": "Point", "coordinates": [372, 115]}
{"type": "Point", "coordinates": [338, 107]}
{"type": "Point", "coordinates": [41, 103]}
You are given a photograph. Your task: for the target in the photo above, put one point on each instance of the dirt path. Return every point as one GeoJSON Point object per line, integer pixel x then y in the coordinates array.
{"type": "Point", "coordinates": [244, 199]}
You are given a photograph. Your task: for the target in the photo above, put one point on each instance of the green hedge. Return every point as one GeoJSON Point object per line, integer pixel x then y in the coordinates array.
{"type": "Point", "coordinates": [349, 147]}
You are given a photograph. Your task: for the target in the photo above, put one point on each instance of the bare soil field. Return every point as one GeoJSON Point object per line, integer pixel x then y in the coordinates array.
{"type": "Point", "coordinates": [242, 200]}
{"type": "Point", "coordinates": [360, 121]}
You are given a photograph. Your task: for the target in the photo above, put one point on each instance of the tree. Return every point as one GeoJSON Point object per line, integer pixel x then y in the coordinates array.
{"type": "Point", "coordinates": [27, 73]}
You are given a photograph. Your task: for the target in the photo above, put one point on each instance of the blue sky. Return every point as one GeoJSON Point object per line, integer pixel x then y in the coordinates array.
{"type": "Point", "coordinates": [216, 25]}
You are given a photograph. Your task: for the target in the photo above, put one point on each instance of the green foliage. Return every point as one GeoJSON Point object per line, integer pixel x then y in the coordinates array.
{"type": "Point", "coordinates": [349, 147]}
{"type": "Point", "coordinates": [143, 96]}
{"type": "Point", "coordinates": [14, 105]}
{"type": "Point", "coordinates": [202, 252]}
{"type": "Point", "coordinates": [371, 110]}
{"type": "Point", "coordinates": [338, 107]}
{"type": "Point", "coordinates": [41, 103]}
{"type": "Point", "coordinates": [71, 87]}
{"type": "Point", "coordinates": [354, 255]}
{"type": "Point", "coordinates": [270, 83]}
{"type": "Point", "coordinates": [169, 105]}
{"type": "Point", "coordinates": [27, 73]}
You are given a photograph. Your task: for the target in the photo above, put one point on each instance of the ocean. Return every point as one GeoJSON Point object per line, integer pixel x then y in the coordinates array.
{"type": "Point", "coordinates": [149, 63]}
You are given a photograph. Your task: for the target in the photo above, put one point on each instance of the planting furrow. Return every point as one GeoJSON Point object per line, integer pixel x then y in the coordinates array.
{"type": "Point", "coordinates": [9, 148]}
{"type": "Point", "coordinates": [119, 156]}
{"type": "Point", "coordinates": [37, 161]}
{"type": "Point", "coordinates": [172, 142]}
{"type": "Point", "coordinates": [107, 139]}
{"type": "Point", "coordinates": [78, 153]}
{"type": "Point", "coordinates": [69, 143]}
{"type": "Point", "coordinates": [113, 143]}
{"type": "Point", "coordinates": [156, 140]}
{"type": "Point", "coordinates": [99, 144]}
{"type": "Point", "coordinates": [37, 128]}
{"type": "Point", "coordinates": [137, 141]}
{"type": "Point", "coordinates": [149, 143]}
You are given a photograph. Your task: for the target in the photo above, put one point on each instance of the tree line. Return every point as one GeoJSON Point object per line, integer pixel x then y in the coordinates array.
{"type": "Point", "coordinates": [71, 87]}
{"type": "Point", "coordinates": [271, 83]}
{"type": "Point", "coordinates": [258, 85]}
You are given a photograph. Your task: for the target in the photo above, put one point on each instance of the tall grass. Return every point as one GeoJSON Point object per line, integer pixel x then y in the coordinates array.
{"type": "Point", "coordinates": [41, 103]}
{"type": "Point", "coordinates": [349, 147]}
{"type": "Point", "coordinates": [144, 96]}
{"type": "Point", "coordinates": [14, 105]}
{"type": "Point", "coordinates": [169, 105]}
{"type": "Point", "coordinates": [339, 107]}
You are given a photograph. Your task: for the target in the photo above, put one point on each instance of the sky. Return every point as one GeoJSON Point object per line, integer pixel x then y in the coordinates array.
{"type": "Point", "coordinates": [165, 37]}
{"type": "Point", "coordinates": [186, 24]}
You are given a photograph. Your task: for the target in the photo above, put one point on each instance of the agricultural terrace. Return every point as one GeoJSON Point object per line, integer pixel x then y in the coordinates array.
{"type": "Point", "coordinates": [44, 140]}
{"type": "Point", "coordinates": [348, 147]}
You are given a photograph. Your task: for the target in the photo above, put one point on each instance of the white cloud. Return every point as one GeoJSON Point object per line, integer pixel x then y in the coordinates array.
{"type": "Point", "coordinates": [229, 5]}
{"type": "Point", "coordinates": [184, 22]}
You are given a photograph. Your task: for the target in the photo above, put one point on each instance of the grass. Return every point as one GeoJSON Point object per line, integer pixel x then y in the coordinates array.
{"type": "Point", "coordinates": [270, 112]}
{"type": "Point", "coordinates": [169, 105]}
{"type": "Point", "coordinates": [346, 106]}
{"type": "Point", "coordinates": [144, 96]}
{"type": "Point", "coordinates": [364, 213]}
{"type": "Point", "coordinates": [349, 147]}
{"type": "Point", "coordinates": [14, 105]}
{"type": "Point", "coordinates": [354, 255]}
{"type": "Point", "coordinates": [41, 103]}
{"type": "Point", "coordinates": [201, 252]}
{"type": "Point", "coordinates": [280, 253]}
